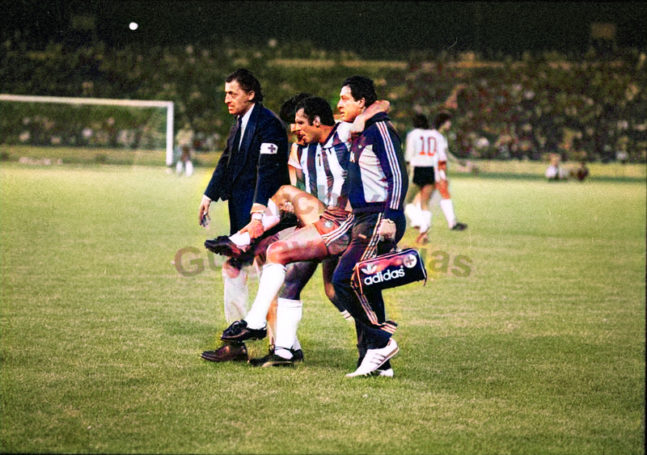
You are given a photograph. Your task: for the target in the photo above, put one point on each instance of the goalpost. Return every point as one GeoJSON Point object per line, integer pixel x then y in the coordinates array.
{"type": "Point", "coordinates": [168, 105]}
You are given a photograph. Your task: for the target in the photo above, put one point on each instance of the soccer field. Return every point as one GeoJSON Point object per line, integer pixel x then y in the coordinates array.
{"type": "Point", "coordinates": [529, 336]}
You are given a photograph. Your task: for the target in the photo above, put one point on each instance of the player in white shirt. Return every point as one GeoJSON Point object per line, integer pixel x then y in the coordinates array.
{"type": "Point", "coordinates": [427, 152]}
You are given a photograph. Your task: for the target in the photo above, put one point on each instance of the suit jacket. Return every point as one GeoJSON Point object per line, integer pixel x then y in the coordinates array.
{"type": "Point", "coordinates": [254, 172]}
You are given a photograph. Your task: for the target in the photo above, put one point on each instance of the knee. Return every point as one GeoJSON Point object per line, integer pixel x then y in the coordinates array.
{"type": "Point", "coordinates": [443, 189]}
{"type": "Point", "coordinates": [426, 191]}
{"type": "Point", "coordinates": [291, 291]}
{"type": "Point", "coordinates": [329, 288]}
{"type": "Point", "coordinates": [283, 193]}
{"type": "Point", "coordinates": [229, 270]}
{"type": "Point", "coordinates": [276, 253]}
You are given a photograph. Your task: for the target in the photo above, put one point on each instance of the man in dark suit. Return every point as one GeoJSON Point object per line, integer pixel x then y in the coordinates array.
{"type": "Point", "coordinates": [252, 167]}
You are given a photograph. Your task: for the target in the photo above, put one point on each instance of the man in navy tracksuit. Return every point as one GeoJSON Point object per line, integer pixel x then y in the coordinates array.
{"type": "Point", "coordinates": [377, 184]}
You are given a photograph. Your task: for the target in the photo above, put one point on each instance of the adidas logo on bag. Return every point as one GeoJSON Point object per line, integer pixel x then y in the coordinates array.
{"type": "Point", "coordinates": [384, 276]}
{"type": "Point", "coordinates": [389, 270]}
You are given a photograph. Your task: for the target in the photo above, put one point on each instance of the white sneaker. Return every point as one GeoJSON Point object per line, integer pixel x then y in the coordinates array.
{"type": "Point", "coordinates": [384, 373]}
{"type": "Point", "coordinates": [375, 358]}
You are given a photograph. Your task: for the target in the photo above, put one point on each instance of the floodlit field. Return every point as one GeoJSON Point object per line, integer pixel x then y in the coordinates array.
{"type": "Point", "coordinates": [528, 338]}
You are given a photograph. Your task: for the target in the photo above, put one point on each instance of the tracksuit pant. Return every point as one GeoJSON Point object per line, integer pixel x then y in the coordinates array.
{"type": "Point", "coordinates": [373, 330]}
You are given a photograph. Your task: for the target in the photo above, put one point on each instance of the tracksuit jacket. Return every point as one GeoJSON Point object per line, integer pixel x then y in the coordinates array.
{"type": "Point", "coordinates": [377, 174]}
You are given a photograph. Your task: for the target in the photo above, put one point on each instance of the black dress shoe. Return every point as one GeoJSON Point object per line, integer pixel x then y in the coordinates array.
{"type": "Point", "coordinates": [259, 361]}
{"type": "Point", "coordinates": [238, 331]}
{"type": "Point", "coordinates": [459, 227]}
{"type": "Point", "coordinates": [297, 356]}
{"type": "Point", "coordinates": [274, 360]}
{"type": "Point", "coordinates": [224, 246]}
{"type": "Point", "coordinates": [236, 352]}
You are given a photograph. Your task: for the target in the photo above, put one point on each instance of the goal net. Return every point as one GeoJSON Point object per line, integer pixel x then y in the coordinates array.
{"type": "Point", "coordinates": [87, 122]}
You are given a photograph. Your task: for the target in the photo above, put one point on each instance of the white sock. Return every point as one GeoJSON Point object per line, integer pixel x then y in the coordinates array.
{"type": "Point", "coordinates": [271, 218]}
{"type": "Point", "coordinates": [236, 296]}
{"type": "Point", "coordinates": [434, 199]}
{"type": "Point", "coordinates": [448, 209]}
{"type": "Point", "coordinates": [240, 239]}
{"type": "Point", "coordinates": [178, 167]}
{"type": "Point", "coordinates": [269, 286]}
{"type": "Point", "coordinates": [413, 212]}
{"type": "Point", "coordinates": [296, 345]}
{"type": "Point", "coordinates": [284, 353]}
{"type": "Point", "coordinates": [425, 220]}
{"type": "Point", "coordinates": [189, 168]}
{"type": "Point", "coordinates": [288, 316]}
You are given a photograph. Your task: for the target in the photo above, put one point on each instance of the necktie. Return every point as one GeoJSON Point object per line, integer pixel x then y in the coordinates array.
{"type": "Point", "coordinates": [236, 141]}
{"type": "Point", "coordinates": [239, 127]}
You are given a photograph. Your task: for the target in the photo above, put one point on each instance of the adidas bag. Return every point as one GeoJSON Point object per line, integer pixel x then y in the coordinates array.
{"type": "Point", "coordinates": [389, 270]}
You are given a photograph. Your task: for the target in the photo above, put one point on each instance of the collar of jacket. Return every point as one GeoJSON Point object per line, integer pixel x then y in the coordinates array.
{"type": "Point", "coordinates": [250, 127]}
{"type": "Point", "coordinates": [379, 117]}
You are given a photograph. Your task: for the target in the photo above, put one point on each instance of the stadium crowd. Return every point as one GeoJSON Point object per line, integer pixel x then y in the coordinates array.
{"type": "Point", "coordinates": [583, 108]}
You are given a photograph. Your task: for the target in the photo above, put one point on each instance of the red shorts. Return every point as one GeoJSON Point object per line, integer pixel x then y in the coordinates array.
{"type": "Point", "coordinates": [334, 225]}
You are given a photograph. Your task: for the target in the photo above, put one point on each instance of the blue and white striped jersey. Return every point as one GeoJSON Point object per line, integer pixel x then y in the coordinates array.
{"type": "Point", "coordinates": [331, 166]}
{"type": "Point", "coordinates": [306, 155]}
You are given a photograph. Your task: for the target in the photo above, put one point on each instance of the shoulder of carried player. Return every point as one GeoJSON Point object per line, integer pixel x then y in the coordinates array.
{"type": "Point", "coordinates": [342, 129]}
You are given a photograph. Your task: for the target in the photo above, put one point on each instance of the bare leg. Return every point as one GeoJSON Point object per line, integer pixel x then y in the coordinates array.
{"type": "Point", "coordinates": [271, 322]}
{"type": "Point", "coordinates": [303, 244]}
{"type": "Point", "coordinates": [425, 214]}
{"type": "Point", "coordinates": [307, 207]}
{"type": "Point", "coordinates": [446, 203]}
{"type": "Point", "coordinates": [425, 195]}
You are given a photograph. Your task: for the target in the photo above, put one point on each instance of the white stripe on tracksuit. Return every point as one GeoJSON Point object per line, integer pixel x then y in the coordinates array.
{"type": "Point", "coordinates": [393, 164]}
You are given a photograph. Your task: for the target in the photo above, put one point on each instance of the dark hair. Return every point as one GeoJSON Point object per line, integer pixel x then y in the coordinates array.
{"type": "Point", "coordinates": [420, 121]}
{"type": "Point", "coordinates": [289, 107]}
{"type": "Point", "coordinates": [247, 82]}
{"type": "Point", "coordinates": [316, 106]}
{"type": "Point", "coordinates": [441, 118]}
{"type": "Point", "coordinates": [361, 87]}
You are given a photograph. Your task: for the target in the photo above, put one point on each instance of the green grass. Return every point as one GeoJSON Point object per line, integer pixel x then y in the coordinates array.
{"type": "Point", "coordinates": [536, 344]}
{"type": "Point", "coordinates": [78, 155]}
{"type": "Point", "coordinates": [36, 155]}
